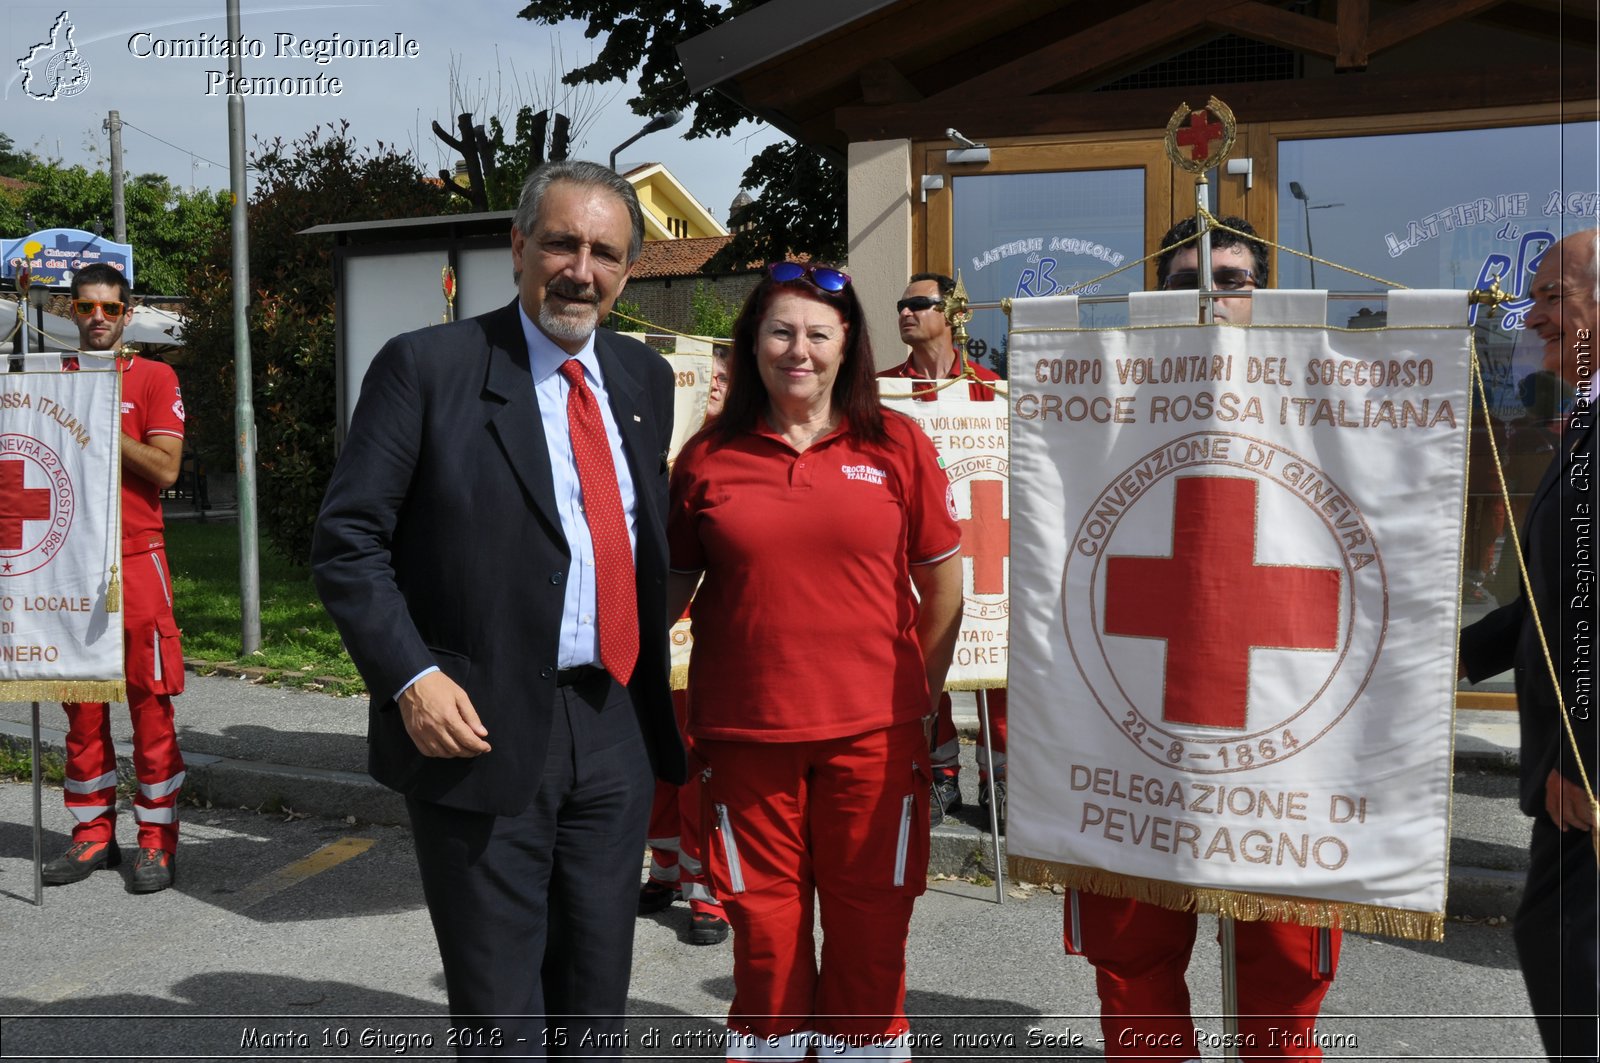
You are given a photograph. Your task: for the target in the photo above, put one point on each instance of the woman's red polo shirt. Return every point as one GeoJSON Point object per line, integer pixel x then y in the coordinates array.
{"type": "Point", "coordinates": [805, 624]}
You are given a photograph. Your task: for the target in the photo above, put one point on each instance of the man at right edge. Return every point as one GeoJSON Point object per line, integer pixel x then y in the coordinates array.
{"type": "Point", "coordinates": [1554, 926]}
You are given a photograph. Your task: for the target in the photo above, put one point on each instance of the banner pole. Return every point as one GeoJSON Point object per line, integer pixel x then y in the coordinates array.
{"type": "Point", "coordinates": [38, 814]}
{"type": "Point", "coordinates": [1203, 244]}
{"type": "Point", "coordinates": [994, 805]}
{"type": "Point", "coordinates": [1230, 989]}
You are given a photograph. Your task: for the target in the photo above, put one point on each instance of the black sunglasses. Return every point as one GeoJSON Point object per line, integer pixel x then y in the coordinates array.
{"type": "Point", "coordinates": [1223, 279]}
{"type": "Point", "coordinates": [824, 277]}
{"type": "Point", "coordinates": [917, 304]}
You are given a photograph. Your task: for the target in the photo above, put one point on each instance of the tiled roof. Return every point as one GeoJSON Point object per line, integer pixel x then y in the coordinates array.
{"type": "Point", "coordinates": [676, 258]}
{"type": "Point", "coordinates": [14, 184]}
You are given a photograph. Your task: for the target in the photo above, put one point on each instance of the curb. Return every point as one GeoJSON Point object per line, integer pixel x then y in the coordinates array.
{"type": "Point", "coordinates": [235, 783]}
{"type": "Point", "coordinates": [956, 849]}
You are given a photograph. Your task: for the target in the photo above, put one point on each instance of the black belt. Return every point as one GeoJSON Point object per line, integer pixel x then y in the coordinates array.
{"type": "Point", "coordinates": [569, 677]}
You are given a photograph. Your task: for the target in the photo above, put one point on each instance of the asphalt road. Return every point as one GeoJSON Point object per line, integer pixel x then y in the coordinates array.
{"type": "Point", "coordinates": [287, 928]}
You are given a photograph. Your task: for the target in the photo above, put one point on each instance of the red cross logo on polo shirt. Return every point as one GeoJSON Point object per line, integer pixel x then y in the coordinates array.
{"type": "Point", "coordinates": [986, 537]}
{"type": "Point", "coordinates": [1202, 130]}
{"type": "Point", "coordinates": [1213, 603]}
{"type": "Point", "coordinates": [19, 504]}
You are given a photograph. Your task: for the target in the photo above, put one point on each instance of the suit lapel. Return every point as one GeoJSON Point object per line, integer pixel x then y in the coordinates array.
{"type": "Point", "coordinates": [516, 424]}
{"type": "Point", "coordinates": [632, 415]}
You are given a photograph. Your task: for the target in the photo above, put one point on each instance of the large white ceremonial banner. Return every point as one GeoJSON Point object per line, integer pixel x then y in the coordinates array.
{"type": "Point", "coordinates": [691, 379]}
{"type": "Point", "coordinates": [970, 436]}
{"type": "Point", "coordinates": [691, 364]}
{"type": "Point", "coordinates": [1234, 622]}
{"type": "Point", "coordinates": [60, 534]}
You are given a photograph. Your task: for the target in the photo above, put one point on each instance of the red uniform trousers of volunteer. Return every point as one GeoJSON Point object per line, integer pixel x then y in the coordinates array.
{"type": "Point", "coordinates": [840, 824]}
{"type": "Point", "coordinates": [674, 834]}
{"type": "Point", "coordinates": [1140, 953]}
{"type": "Point", "coordinates": [154, 659]}
{"type": "Point", "coordinates": [947, 744]}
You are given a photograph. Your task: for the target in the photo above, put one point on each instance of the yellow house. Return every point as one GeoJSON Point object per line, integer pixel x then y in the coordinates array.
{"type": "Point", "coordinates": [670, 211]}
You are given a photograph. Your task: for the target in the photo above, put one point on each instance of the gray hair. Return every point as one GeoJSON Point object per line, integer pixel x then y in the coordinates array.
{"type": "Point", "coordinates": [590, 174]}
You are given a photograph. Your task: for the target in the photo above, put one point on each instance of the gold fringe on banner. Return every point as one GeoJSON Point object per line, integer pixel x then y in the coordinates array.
{"type": "Point", "coordinates": [63, 690]}
{"type": "Point", "coordinates": [974, 684]}
{"type": "Point", "coordinates": [680, 677]}
{"type": "Point", "coordinates": [1245, 907]}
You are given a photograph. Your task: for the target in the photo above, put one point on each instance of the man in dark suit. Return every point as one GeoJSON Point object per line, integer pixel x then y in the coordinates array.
{"type": "Point", "coordinates": [1555, 923]}
{"type": "Point", "coordinates": [492, 549]}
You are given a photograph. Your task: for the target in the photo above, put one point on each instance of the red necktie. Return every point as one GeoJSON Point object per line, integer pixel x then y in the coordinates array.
{"type": "Point", "coordinates": [602, 508]}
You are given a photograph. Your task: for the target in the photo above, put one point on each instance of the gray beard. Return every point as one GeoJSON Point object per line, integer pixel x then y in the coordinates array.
{"type": "Point", "coordinates": [570, 327]}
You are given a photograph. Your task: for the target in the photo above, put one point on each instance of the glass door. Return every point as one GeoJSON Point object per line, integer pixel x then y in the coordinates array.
{"type": "Point", "coordinates": [1045, 219]}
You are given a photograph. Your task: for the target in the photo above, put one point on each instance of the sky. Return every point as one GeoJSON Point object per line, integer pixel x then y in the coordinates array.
{"type": "Point", "coordinates": [174, 107]}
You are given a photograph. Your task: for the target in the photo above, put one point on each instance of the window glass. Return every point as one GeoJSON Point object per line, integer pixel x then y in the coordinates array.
{"type": "Point", "coordinates": [1035, 234]}
{"type": "Point", "coordinates": [1452, 210]}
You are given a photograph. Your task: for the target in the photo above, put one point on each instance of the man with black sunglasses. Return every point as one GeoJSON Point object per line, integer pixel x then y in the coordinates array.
{"type": "Point", "coordinates": [925, 329]}
{"type": "Point", "coordinates": [1141, 951]}
{"type": "Point", "coordinates": [152, 450]}
{"type": "Point", "coordinates": [1238, 263]}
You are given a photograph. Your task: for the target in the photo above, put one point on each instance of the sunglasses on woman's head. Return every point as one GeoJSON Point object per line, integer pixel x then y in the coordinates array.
{"type": "Point", "coordinates": [824, 277]}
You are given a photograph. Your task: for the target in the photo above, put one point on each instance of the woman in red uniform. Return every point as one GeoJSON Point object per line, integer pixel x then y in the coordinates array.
{"type": "Point", "coordinates": [822, 631]}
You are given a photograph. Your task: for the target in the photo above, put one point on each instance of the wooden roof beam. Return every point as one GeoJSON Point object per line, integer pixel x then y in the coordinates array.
{"type": "Point", "coordinates": [1419, 17]}
{"type": "Point", "coordinates": [882, 82]}
{"type": "Point", "coordinates": [1328, 97]}
{"type": "Point", "coordinates": [1273, 25]}
{"type": "Point", "coordinates": [1100, 47]}
{"type": "Point", "coordinates": [1355, 19]}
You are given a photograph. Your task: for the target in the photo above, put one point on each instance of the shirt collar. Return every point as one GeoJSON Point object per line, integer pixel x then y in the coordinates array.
{"type": "Point", "coordinates": [545, 358]}
{"type": "Point", "coordinates": [916, 374]}
{"type": "Point", "coordinates": [762, 428]}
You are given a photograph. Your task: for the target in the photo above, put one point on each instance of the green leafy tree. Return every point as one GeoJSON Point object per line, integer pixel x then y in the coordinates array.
{"type": "Point", "coordinates": [168, 228]}
{"type": "Point", "coordinates": [13, 163]}
{"type": "Point", "coordinates": [322, 177]}
{"type": "Point", "coordinates": [800, 196]}
{"type": "Point", "coordinates": [712, 316]}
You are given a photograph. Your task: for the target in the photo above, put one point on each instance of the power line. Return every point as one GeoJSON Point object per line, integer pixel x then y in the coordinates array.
{"type": "Point", "coordinates": [175, 147]}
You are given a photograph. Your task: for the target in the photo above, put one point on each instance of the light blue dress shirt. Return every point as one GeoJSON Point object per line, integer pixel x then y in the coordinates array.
{"type": "Point", "coordinates": [580, 637]}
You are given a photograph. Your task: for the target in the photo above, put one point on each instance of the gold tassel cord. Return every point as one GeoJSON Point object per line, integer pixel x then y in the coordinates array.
{"type": "Point", "coordinates": [936, 386]}
{"type": "Point", "coordinates": [113, 592]}
{"type": "Point", "coordinates": [1234, 904]}
{"type": "Point", "coordinates": [652, 326]}
{"type": "Point", "coordinates": [63, 690]}
{"type": "Point", "coordinates": [1533, 608]}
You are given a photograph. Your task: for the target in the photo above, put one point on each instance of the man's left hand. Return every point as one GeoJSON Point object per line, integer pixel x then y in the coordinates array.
{"type": "Point", "coordinates": [1566, 803]}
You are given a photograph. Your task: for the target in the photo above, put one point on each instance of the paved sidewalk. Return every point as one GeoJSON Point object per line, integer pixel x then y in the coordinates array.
{"type": "Point", "coordinates": [258, 746]}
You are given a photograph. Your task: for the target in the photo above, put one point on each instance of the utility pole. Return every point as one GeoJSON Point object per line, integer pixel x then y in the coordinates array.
{"type": "Point", "coordinates": [119, 220]}
{"type": "Point", "coordinates": [244, 415]}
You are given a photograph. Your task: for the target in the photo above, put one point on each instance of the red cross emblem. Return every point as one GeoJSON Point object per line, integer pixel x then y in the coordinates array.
{"type": "Point", "coordinates": [1200, 132]}
{"type": "Point", "coordinates": [19, 503]}
{"type": "Point", "coordinates": [986, 537]}
{"type": "Point", "coordinates": [1212, 602]}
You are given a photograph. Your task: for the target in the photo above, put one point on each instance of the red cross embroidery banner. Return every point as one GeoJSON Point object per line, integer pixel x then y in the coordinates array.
{"type": "Point", "coordinates": [1234, 635]}
{"type": "Point", "coordinates": [59, 533]}
{"type": "Point", "coordinates": [692, 366]}
{"type": "Point", "coordinates": [970, 436]}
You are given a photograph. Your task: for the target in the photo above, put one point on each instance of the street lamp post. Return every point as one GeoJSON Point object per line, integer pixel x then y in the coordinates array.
{"type": "Point", "coordinates": [1298, 191]}
{"type": "Point", "coordinates": [655, 125]}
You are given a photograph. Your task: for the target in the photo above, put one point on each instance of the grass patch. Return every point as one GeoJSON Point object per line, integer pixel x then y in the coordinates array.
{"type": "Point", "coordinates": [298, 639]}
{"type": "Point", "coordinates": [16, 763]}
